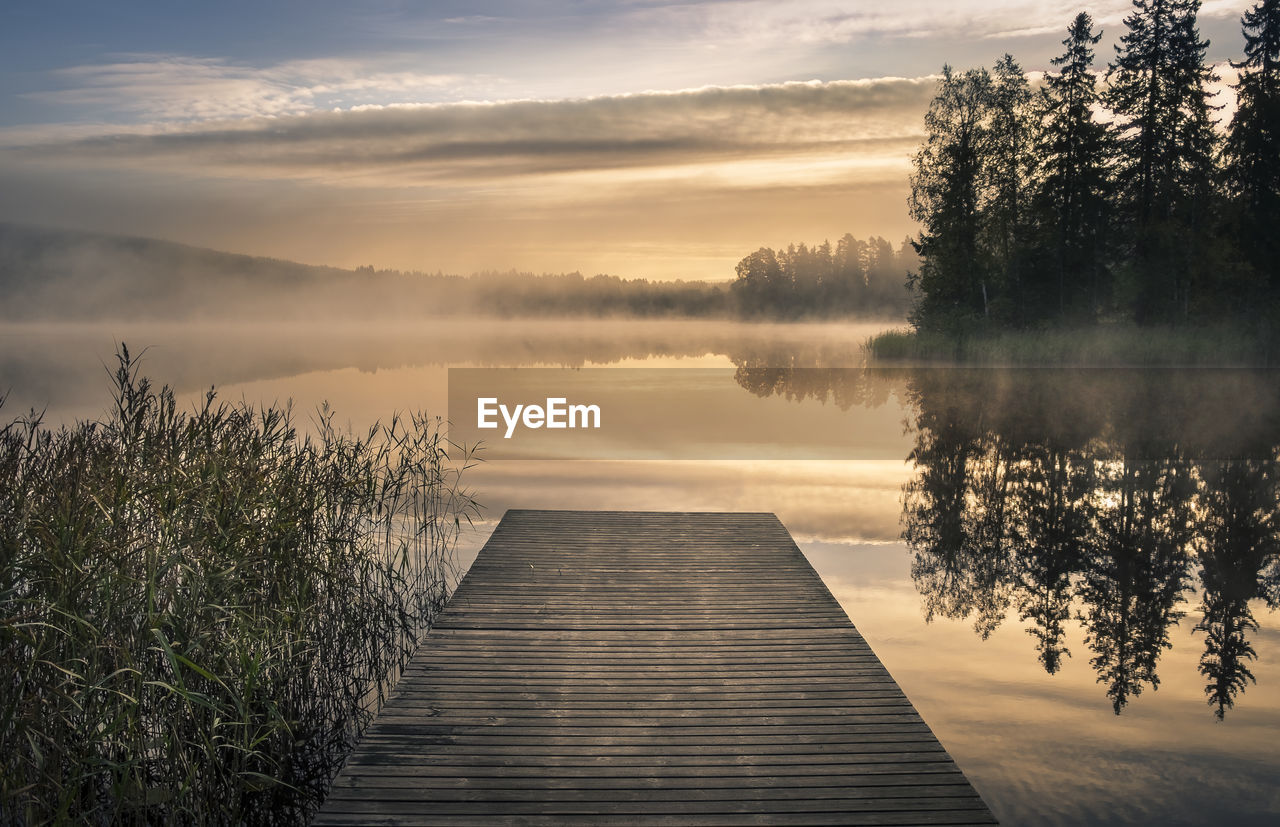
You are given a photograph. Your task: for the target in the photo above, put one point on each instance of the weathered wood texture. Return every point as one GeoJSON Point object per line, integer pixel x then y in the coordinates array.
{"type": "Point", "coordinates": [647, 668]}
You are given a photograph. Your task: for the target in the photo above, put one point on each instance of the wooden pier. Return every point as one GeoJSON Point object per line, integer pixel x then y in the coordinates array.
{"type": "Point", "coordinates": [638, 668]}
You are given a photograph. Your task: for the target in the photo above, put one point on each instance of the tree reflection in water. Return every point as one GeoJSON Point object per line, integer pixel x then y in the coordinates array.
{"type": "Point", "coordinates": [1112, 497]}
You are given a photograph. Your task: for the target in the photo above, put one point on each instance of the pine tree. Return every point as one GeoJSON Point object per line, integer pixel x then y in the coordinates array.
{"type": "Point", "coordinates": [1159, 96]}
{"type": "Point", "coordinates": [1008, 169]}
{"type": "Point", "coordinates": [1252, 151]}
{"type": "Point", "coordinates": [946, 187]}
{"type": "Point", "coordinates": [1072, 151]}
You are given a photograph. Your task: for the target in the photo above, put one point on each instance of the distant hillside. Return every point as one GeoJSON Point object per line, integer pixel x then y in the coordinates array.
{"type": "Point", "coordinates": [68, 274]}
{"type": "Point", "coordinates": [50, 274]}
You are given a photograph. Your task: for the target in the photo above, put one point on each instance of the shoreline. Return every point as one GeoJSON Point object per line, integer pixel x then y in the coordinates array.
{"type": "Point", "coordinates": [1105, 345]}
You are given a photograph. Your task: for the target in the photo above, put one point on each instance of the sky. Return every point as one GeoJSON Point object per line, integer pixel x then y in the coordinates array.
{"type": "Point", "coordinates": [632, 137]}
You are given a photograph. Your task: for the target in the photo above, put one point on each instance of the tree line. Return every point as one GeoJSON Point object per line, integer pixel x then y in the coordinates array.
{"type": "Point", "coordinates": [50, 274]}
{"type": "Point", "coordinates": [1102, 196]}
{"type": "Point", "coordinates": [854, 277]}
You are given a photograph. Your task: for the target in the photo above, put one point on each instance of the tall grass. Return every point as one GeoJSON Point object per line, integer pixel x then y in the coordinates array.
{"type": "Point", "coordinates": [200, 611]}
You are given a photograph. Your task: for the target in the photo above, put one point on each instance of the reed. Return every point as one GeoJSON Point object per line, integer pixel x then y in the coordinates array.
{"type": "Point", "coordinates": [200, 611]}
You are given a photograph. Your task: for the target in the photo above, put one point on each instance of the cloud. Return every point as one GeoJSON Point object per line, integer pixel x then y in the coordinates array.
{"type": "Point", "coordinates": [659, 184]}
{"type": "Point", "coordinates": [755, 23]}
{"type": "Point", "coordinates": [566, 50]}
{"type": "Point", "coordinates": [179, 88]}
{"type": "Point", "coordinates": [505, 139]}
{"type": "Point", "coordinates": [752, 128]}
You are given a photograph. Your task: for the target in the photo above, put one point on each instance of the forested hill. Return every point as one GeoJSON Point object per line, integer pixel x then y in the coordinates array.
{"type": "Point", "coordinates": [66, 274]}
{"type": "Point", "coordinates": [54, 274]}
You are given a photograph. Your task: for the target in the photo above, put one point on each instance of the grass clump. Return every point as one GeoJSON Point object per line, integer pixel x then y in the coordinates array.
{"type": "Point", "coordinates": [1103, 345]}
{"type": "Point", "coordinates": [199, 612]}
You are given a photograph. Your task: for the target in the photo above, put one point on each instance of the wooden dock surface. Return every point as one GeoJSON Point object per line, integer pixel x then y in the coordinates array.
{"type": "Point", "coordinates": [638, 668]}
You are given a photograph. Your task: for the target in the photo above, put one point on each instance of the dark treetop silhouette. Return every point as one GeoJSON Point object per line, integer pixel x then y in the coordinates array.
{"type": "Point", "coordinates": [1041, 207]}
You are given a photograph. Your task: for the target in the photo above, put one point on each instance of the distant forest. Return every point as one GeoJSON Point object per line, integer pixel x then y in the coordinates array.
{"type": "Point", "coordinates": [855, 277]}
{"type": "Point", "coordinates": [52, 274]}
{"type": "Point", "coordinates": [1083, 200]}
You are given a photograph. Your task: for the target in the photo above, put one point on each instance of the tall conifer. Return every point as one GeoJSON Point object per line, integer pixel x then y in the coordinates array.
{"type": "Point", "coordinates": [1252, 151]}
{"type": "Point", "coordinates": [1072, 152]}
{"type": "Point", "coordinates": [1160, 99]}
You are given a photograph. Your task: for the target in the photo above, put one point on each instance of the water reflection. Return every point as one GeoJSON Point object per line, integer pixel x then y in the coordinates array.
{"type": "Point", "coordinates": [60, 366]}
{"type": "Point", "coordinates": [1034, 475]}
{"type": "Point", "coordinates": [1113, 499]}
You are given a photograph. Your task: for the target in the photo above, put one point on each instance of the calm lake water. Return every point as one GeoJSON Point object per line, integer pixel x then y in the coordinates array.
{"type": "Point", "coordinates": [1071, 573]}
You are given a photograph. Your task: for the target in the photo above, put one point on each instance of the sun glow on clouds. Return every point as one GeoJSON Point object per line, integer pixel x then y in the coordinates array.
{"type": "Point", "coordinates": [531, 155]}
{"type": "Point", "coordinates": [760, 23]}
{"type": "Point", "coordinates": [481, 142]}
{"type": "Point", "coordinates": [554, 50]}
{"type": "Point", "coordinates": [529, 183]}
{"type": "Point", "coordinates": [178, 88]}
{"type": "Point", "coordinates": [886, 164]}
{"type": "Point", "coordinates": [515, 138]}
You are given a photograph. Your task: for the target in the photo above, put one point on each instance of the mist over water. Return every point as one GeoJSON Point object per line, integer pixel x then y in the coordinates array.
{"type": "Point", "coordinates": [59, 365]}
{"type": "Point", "coordinates": [1069, 572]}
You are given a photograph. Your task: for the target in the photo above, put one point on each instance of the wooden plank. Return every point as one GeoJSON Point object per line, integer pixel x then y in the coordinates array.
{"type": "Point", "coordinates": [647, 668]}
